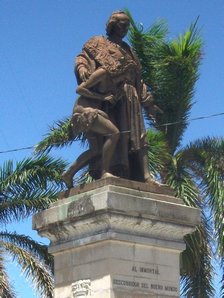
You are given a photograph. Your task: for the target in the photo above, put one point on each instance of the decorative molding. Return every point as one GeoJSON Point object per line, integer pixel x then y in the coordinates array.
{"type": "Point", "coordinates": [125, 211]}
{"type": "Point", "coordinates": [81, 288]}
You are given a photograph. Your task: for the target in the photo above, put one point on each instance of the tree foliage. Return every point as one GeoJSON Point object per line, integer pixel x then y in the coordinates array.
{"type": "Point", "coordinates": [25, 188]}
{"type": "Point", "coordinates": [195, 171]}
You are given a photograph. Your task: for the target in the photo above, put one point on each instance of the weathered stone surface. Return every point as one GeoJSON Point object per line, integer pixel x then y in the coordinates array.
{"type": "Point", "coordinates": [124, 242]}
{"type": "Point", "coordinates": [109, 208]}
{"type": "Point", "coordinates": [128, 184]}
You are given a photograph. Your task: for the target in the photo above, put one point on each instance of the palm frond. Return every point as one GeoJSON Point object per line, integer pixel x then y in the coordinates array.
{"type": "Point", "coordinates": [222, 281]}
{"type": "Point", "coordinates": [30, 173]}
{"type": "Point", "coordinates": [214, 191]}
{"type": "Point", "coordinates": [38, 250]}
{"type": "Point", "coordinates": [206, 159]}
{"type": "Point", "coordinates": [60, 135]}
{"type": "Point", "coordinates": [213, 187]}
{"type": "Point", "coordinates": [6, 289]}
{"type": "Point", "coordinates": [170, 68]}
{"type": "Point", "coordinates": [202, 162]}
{"type": "Point", "coordinates": [28, 187]}
{"type": "Point", "coordinates": [175, 75]}
{"type": "Point", "coordinates": [34, 270]}
{"type": "Point", "coordinates": [22, 207]}
{"type": "Point", "coordinates": [180, 179]}
{"type": "Point", "coordinates": [197, 269]}
{"type": "Point", "coordinates": [145, 43]}
{"type": "Point", "coordinates": [158, 152]}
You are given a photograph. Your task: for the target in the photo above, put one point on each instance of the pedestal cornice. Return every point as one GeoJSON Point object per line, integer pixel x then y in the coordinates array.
{"type": "Point", "coordinates": [116, 209]}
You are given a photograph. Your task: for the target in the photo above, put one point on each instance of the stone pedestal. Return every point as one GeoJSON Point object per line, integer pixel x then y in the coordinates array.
{"type": "Point", "coordinates": [112, 240]}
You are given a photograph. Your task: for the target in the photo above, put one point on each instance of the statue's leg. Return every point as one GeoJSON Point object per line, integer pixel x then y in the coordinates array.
{"type": "Point", "coordinates": [77, 165]}
{"type": "Point", "coordinates": [103, 127]}
{"type": "Point", "coordinates": [106, 128]}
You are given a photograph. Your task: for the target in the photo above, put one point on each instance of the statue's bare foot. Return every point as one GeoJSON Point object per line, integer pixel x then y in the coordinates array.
{"type": "Point", "coordinates": [67, 179]}
{"type": "Point", "coordinates": [107, 174]}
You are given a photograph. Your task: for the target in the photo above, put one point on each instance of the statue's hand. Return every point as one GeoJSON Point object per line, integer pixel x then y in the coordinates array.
{"type": "Point", "coordinates": [149, 97]}
{"type": "Point", "coordinates": [83, 74]}
{"type": "Point", "coordinates": [110, 98]}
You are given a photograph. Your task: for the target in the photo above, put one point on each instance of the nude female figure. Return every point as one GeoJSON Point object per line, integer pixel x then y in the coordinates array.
{"type": "Point", "coordinates": [88, 117]}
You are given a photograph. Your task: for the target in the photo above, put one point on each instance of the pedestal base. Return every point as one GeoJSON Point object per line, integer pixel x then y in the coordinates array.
{"type": "Point", "coordinates": [113, 268]}
{"type": "Point", "coordinates": [117, 242]}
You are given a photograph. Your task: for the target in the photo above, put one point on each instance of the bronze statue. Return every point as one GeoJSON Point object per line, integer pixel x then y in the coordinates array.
{"type": "Point", "coordinates": [108, 110]}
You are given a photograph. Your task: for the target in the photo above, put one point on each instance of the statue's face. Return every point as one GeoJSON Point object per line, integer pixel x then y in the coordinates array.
{"type": "Point", "coordinates": [121, 26]}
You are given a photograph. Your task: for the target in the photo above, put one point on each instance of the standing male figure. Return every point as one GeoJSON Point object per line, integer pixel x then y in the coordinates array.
{"type": "Point", "coordinates": [108, 68]}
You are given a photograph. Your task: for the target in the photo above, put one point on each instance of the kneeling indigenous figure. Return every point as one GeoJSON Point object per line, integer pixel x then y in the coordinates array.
{"type": "Point", "coordinates": [109, 108]}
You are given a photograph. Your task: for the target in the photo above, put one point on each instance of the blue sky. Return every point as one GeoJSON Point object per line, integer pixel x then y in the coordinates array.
{"type": "Point", "coordinates": [39, 40]}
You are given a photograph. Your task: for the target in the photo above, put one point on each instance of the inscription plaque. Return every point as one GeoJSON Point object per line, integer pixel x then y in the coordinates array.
{"type": "Point", "coordinates": [149, 285]}
{"type": "Point", "coordinates": [150, 270]}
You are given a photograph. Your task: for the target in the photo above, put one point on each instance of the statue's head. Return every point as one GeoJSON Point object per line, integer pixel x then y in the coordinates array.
{"type": "Point", "coordinates": [118, 23]}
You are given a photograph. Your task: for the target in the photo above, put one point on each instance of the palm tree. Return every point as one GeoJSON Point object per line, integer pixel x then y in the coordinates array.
{"type": "Point", "coordinates": [195, 171]}
{"type": "Point", "coordinates": [29, 186]}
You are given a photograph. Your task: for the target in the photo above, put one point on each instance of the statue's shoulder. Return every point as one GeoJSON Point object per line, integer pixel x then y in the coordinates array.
{"type": "Point", "coordinates": [134, 54]}
{"type": "Point", "coordinates": [96, 42]}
